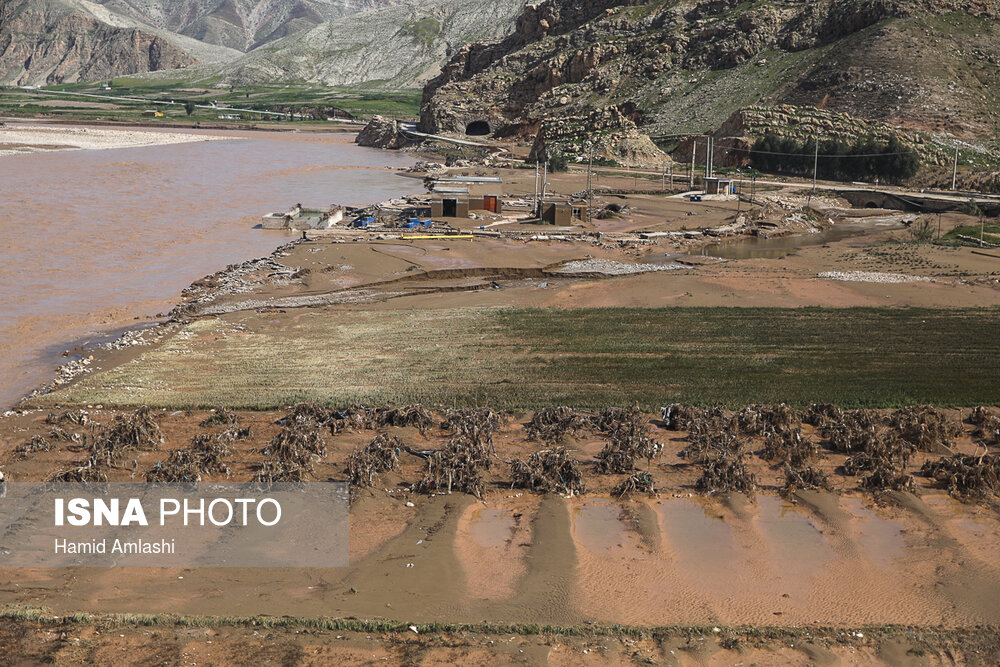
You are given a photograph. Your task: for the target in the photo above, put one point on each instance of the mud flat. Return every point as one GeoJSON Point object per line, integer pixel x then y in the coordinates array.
{"type": "Point", "coordinates": [17, 139]}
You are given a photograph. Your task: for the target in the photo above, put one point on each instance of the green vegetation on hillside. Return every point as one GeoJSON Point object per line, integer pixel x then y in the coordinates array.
{"type": "Point", "coordinates": [865, 159]}
{"type": "Point", "coordinates": [526, 358]}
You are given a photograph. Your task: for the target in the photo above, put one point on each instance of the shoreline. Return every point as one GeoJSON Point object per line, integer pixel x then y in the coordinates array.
{"type": "Point", "coordinates": [336, 127]}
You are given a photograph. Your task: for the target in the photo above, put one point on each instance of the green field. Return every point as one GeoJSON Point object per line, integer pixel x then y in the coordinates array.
{"type": "Point", "coordinates": [309, 102]}
{"type": "Point", "coordinates": [526, 358]}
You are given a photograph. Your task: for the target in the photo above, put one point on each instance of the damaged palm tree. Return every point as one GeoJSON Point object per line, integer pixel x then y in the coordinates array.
{"type": "Point", "coordinates": [628, 440]}
{"type": "Point", "coordinates": [476, 425]}
{"type": "Point", "coordinates": [77, 417]}
{"type": "Point", "coordinates": [966, 477]}
{"type": "Point", "coordinates": [137, 431]}
{"type": "Point", "coordinates": [306, 413]}
{"type": "Point", "coordinates": [204, 457]}
{"type": "Point", "coordinates": [57, 433]}
{"type": "Point", "coordinates": [553, 425]}
{"type": "Point", "coordinates": [677, 417]}
{"type": "Point", "coordinates": [710, 445]}
{"type": "Point", "coordinates": [988, 430]}
{"type": "Point", "coordinates": [611, 419]}
{"type": "Point", "coordinates": [884, 449]}
{"type": "Point", "coordinates": [221, 417]}
{"type": "Point", "coordinates": [301, 443]}
{"type": "Point", "coordinates": [637, 482]}
{"type": "Point", "coordinates": [804, 479]}
{"type": "Point", "coordinates": [407, 415]}
{"type": "Point", "coordinates": [822, 415]}
{"type": "Point", "coordinates": [354, 418]}
{"type": "Point", "coordinates": [274, 472]}
{"type": "Point", "coordinates": [378, 456]}
{"type": "Point", "coordinates": [760, 419]}
{"type": "Point", "coordinates": [925, 427]}
{"type": "Point", "coordinates": [85, 473]}
{"type": "Point", "coordinates": [36, 444]}
{"type": "Point", "coordinates": [888, 479]}
{"type": "Point", "coordinates": [853, 430]}
{"type": "Point", "coordinates": [789, 447]}
{"type": "Point", "coordinates": [979, 415]}
{"type": "Point", "coordinates": [457, 467]}
{"type": "Point", "coordinates": [727, 474]}
{"type": "Point", "coordinates": [548, 471]}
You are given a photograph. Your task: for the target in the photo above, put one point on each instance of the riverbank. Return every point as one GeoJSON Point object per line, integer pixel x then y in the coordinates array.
{"type": "Point", "coordinates": [17, 139]}
{"type": "Point", "coordinates": [99, 240]}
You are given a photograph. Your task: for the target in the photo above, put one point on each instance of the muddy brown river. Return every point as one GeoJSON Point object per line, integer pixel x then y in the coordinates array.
{"type": "Point", "coordinates": [97, 240]}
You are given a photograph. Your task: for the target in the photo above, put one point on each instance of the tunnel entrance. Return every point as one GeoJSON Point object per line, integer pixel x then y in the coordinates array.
{"type": "Point", "coordinates": [478, 128]}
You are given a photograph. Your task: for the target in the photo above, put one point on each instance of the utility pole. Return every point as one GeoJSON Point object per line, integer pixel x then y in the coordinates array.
{"type": "Point", "coordinates": [694, 152]}
{"type": "Point", "coordinates": [739, 193]}
{"type": "Point", "coordinates": [815, 165]}
{"type": "Point", "coordinates": [939, 225]}
{"type": "Point", "coordinates": [954, 170]}
{"type": "Point", "coordinates": [536, 190]}
{"type": "Point", "coordinates": [545, 182]}
{"type": "Point", "coordinates": [708, 158]}
{"type": "Point", "coordinates": [590, 187]}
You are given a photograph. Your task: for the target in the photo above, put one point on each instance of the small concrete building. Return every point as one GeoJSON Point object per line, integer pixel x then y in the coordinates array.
{"type": "Point", "coordinates": [300, 218]}
{"type": "Point", "coordinates": [719, 186]}
{"type": "Point", "coordinates": [563, 214]}
{"type": "Point", "coordinates": [450, 207]}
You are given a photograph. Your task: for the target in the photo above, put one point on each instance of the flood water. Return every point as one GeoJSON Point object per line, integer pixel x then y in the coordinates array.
{"type": "Point", "coordinates": [93, 239]}
{"type": "Point", "coordinates": [780, 246]}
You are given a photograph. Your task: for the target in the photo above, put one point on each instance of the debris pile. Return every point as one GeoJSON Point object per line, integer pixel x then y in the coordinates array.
{"type": "Point", "coordinates": [966, 477]}
{"type": "Point", "coordinates": [458, 466]}
{"type": "Point", "coordinates": [677, 417]}
{"type": "Point", "coordinates": [822, 415]}
{"type": "Point", "coordinates": [204, 457]}
{"type": "Point", "coordinates": [548, 471]}
{"type": "Point", "coordinates": [300, 444]}
{"type": "Point", "coordinates": [628, 440]}
{"type": "Point", "coordinates": [763, 419]}
{"type": "Point", "coordinates": [552, 425]}
{"type": "Point", "coordinates": [36, 444]}
{"type": "Point", "coordinates": [77, 417]}
{"type": "Point", "coordinates": [378, 456]}
{"type": "Point", "coordinates": [789, 447]}
{"type": "Point", "coordinates": [407, 415]}
{"type": "Point", "coordinates": [925, 427]}
{"type": "Point", "coordinates": [221, 417]}
{"type": "Point", "coordinates": [807, 478]}
{"type": "Point", "coordinates": [726, 474]}
{"type": "Point", "coordinates": [637, 482]}
{"type": "Point", "coordinates": [126, 433]}
{"type": "Point", "coordinates": [477, 425]}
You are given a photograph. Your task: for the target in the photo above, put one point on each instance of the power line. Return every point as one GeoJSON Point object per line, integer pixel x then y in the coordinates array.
{"type": "Point", "coordinates": [831, 155]}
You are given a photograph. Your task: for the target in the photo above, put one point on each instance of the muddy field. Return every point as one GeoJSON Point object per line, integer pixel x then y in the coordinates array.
{"type": "Point", "coordinates": [743, 534]}
{"type": "Point", "coordinates": [681, 554]}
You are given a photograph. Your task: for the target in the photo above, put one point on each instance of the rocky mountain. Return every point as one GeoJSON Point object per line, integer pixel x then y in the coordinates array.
{"type": "Point", "coordinates": [395, 43]}
{"type": "Point", "coordinates": [54, 41]}
{"type": "Point", "coordinates": [398, 45]}
{"type": "Point", "coordinates": [239, 24]}
{"type": "Point", "coordinates": [679, 68]}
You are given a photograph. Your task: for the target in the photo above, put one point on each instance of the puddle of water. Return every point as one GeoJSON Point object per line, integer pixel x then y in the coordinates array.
{"type": "Point", "coordinates": [492, 527]}
{"type": "Point", "coordinates": [597, 527]}
{"type": "Point", "coordinates": [781, 246]}
{"type": "Point", "coordinates": [881, 539]}
{"type": "Point", "coordinates": [704, 544]}
{"type": "Point", "coordinates": [796, 546]}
